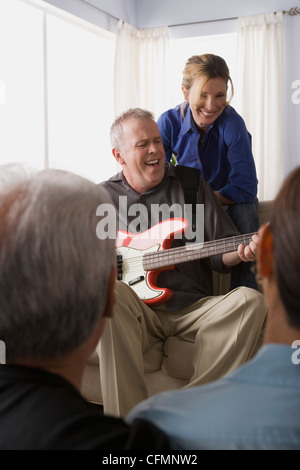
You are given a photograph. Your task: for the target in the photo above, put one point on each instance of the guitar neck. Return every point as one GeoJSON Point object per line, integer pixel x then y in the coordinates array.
{"type": "Point", "coordinates": [172, 256]}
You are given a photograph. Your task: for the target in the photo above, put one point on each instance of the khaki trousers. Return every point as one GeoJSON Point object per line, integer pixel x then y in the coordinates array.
{"type": "Point", "coordinates": [227, 331]}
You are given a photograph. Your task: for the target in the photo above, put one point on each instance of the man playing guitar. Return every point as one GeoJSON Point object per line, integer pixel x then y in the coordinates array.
{"type": "Point", "coordinates": [172, 297]}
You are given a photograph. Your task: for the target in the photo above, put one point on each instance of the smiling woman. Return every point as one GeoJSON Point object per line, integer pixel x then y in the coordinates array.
{"type": "Point", "coordinates": [206, 133]}
{"type": "Point", "coordinates": [207, 101]}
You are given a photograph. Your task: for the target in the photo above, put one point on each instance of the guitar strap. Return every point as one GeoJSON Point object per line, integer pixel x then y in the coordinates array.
{"type": "Point", "coordinates": [189, 180]}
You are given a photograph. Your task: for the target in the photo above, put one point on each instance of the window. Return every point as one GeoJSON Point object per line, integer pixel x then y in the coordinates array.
{"type": "Point", "coordinates": [80, 96]}
{"type": "Point", "coordinates": [60, 119]}
{"type": "Point", "coordinates": [21, 78]}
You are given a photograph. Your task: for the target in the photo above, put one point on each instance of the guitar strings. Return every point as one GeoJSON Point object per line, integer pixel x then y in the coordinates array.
{"type": "Point", "coordinates": [219, 245]}
{"type": "Point", "coordinates": [187, 251]}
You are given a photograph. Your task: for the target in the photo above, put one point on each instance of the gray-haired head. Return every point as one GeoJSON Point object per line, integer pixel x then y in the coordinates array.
{"type": "Point", "coordinates": [116, 130]}
{"type": "Point", "coordinates": [54, 270]}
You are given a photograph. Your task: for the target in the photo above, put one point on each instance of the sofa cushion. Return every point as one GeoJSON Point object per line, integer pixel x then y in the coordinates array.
{"type": "Point", "coordinates": [153, 357]}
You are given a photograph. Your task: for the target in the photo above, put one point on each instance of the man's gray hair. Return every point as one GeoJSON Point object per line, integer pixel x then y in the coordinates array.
{"type": "Point", "coordinates": [54, 270]}
{"type": "Point", "coordinates": [116, 130]}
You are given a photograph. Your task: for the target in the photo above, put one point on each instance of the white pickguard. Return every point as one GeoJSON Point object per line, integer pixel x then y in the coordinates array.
{"type": "Point", "coordinates": [133, 268]}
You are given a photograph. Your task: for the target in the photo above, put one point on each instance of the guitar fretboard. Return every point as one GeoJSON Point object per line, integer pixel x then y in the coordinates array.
{"type": "Point", "coordinates": [173, 256]}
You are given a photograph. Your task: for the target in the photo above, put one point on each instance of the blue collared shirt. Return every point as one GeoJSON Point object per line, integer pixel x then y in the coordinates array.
{"type": "Point", "coordinates": [255, 407]}
{"type": "Point", "coordinates": [224, 157]}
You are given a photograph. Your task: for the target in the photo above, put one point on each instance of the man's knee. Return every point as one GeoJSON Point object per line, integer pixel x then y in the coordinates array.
{"type": "Point", "coordinates": [127, 304]}
{"type": "Point", "coordinates": [122, 289]}
{"type": "Point", "coordinates": [254, 302]}
{"type": "Point", "coordinates": [124, 294]}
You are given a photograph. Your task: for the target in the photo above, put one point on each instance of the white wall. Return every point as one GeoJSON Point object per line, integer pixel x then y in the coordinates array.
{"type": "Point", "coordinates": [88, 11]}
{"type": "Point", "coordinates": [151, 13]}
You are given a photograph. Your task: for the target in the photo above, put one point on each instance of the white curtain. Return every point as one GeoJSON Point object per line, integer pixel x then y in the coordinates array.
{"type": "Point", "coordinates": [142, 70]}
{"type": "Point", "coordinates": [260, 95]}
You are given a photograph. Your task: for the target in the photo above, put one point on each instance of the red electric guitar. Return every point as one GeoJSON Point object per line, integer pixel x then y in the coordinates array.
{"type": "Point", "coordinates": [142, 256]}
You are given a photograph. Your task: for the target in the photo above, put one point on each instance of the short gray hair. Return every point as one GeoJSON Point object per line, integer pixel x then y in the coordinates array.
{"type": "Point", "coordinates": [116, 130]}
{"type": "Point", "coordinates": [54, 270]}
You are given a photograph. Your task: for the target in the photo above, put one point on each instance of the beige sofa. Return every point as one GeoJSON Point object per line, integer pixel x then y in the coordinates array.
{"type": "Point", "coordinates": [170, 366]}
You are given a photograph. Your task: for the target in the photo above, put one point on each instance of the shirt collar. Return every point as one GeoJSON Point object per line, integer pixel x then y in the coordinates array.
{"type": "Point", "coordinates": [118, 177]}
{"type": "Point", "coordinates": [188, 123]}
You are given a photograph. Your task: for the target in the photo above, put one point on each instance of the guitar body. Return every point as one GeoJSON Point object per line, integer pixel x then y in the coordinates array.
{"type": "Point", "coordinates": [131, 248]}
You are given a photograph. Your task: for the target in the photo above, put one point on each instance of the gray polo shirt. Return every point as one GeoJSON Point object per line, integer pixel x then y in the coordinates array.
{"type": "Point", "coordinates": [192, 280]}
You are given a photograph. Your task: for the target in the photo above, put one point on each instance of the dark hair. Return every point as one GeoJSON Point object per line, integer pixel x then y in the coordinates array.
{"type": "Point", "coordinates": [285, 226]}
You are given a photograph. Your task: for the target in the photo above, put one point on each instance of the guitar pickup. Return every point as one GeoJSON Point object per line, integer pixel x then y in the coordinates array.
{"type": "Point", "coordinates": [119, 267]}
{"type": "Point", "coordinates": [136, 280]}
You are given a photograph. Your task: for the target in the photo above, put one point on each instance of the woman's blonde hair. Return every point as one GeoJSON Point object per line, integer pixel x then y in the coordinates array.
{"type": "Point", "coordinates": [206, 66]}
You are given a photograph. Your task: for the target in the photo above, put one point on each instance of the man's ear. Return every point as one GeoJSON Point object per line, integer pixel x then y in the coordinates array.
{"type": "Point", "coordinates": [110, 302]}
{"type": "Point", "coordinates": [185, 93]}
{"type": "Point", "coordinates": [265, 252]}
{"type": "Point", "coordinates": [117, 154]}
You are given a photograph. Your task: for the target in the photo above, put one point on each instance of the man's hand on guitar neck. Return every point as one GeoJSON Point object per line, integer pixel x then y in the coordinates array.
{"type": "Point", "coordinates": [244, 253]}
